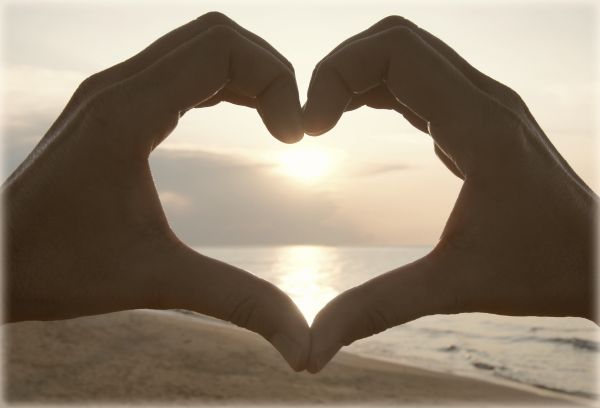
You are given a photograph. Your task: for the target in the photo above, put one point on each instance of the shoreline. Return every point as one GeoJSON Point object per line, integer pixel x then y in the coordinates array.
{"type": "Point", "coordinates": [158, 357]}
{"type": "Point", "coordinates": [509, 382]}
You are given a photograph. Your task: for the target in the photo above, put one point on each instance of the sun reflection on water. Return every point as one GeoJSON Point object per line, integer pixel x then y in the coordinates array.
{"type": "Point", "coordinates": [306, 275]}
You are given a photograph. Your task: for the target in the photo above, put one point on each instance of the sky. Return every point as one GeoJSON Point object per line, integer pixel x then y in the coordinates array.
{"type": "Point", "coordinates": [223, 180]}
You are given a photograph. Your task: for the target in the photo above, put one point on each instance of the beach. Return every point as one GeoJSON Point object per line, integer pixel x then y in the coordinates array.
{"type": "Point", "coordinates": [167, 358]}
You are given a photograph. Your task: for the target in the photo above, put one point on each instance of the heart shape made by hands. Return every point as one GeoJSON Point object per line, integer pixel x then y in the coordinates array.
{"type": "Point", "coordinates": [88, 191]}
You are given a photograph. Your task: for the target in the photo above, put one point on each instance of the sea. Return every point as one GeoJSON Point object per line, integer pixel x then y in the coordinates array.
{"type": "Point", "coordinates": [557, 354]}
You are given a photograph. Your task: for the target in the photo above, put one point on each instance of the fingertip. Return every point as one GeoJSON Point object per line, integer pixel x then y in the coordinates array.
{"type": "Point", "coordinates": [292, 337]}
{"type": "Point", "coordinates": [313, 122]}
{"type": "Point", "coordinates": [319, 360]}
{"type": "Point", "coordinates": [290, 132]}
{"type": "Point", "coordinates": [324, 343]}
{"type": "Point", "coordinates": [327, 100]}
{"type": "Point", "coordinates": [280, 111]}
{"type": "Point", "coordinates": [294, 353]}
{"type": "Point", "coordinates": [313, 365]}
{"type": "Point", "coordinates": [313, 368]}
{"type": "Point", "coordinates": [295, 138]}
{"type": "Point", "coordinates": [304, 354]}
{"type": "Point", "coordinates": [321, 115]}
{"type": "Point", "coordinates": [291, 136]}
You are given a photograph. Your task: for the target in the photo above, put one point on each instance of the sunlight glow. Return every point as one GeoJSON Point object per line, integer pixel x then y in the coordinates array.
{"type": "Point", "coordinates": [304, 278]}
{"type": "Point", "coordinates": [306, 165]}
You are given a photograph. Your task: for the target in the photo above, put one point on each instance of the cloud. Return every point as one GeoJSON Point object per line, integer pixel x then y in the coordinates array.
{"type": "Point", "coordinates": [174, 202]}
{"type": "Point", "coordinates": [36, 95]}
{"type": "Point", "coordinates": [36, 92]}
{"type": "Point", "coordinates": [236, 201]}
{"type": "Point", "coordinates": [221, 199]}
{"type": "Point", "coordinates": [377, 169]}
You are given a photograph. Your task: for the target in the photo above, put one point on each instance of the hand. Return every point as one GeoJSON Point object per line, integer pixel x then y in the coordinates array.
{"type": "Point", "coordinates": [85, 230]}
{"type": "Point", "coordinates": [519, 240]}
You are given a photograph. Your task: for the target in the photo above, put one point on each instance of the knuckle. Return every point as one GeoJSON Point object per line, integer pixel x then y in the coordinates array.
{"type": "Point", "coordinates": [326, 66]}
{"type": "Point", "coordinates": [290, 67]}
{"type": "Point", "coordinates": [279, 72]}
{"type": "Point", "coordinates": [243, 311]}
{"type": "Point", "coordinates": [106, 101]}
{"type": "Point", "coordinates": [214, 18]}
{"type": "Point", "coordinates": [286, 78]}
{"type": "Point", "coordinates": [365, 313]}
{"type": "Point", "coordinates": [279, 302]}
{"type": "Point", "coordinates": [505, 95]}
{"type": "Point", "coordinates": [376, 314]}
{"type": "Point", "coordinates": [250, 309]}
{"type": "Point", "coordinates": [493, 136]}
{"type": "Point", "coordinates": [98, 108]}
{"type": "Point", "coordinates": [513, 98]}
{"type": "Point", "coordinates": [222, 34]}
{"type": "Point", "coordinates": [88, 87]}
{"type": "Point", "coordinates": [508, 131]}
{"type": "Point", "coordinates": [111, 111]}
{"type": "Point", "coordinates": [113, 123]}
{"type": "Point", "coordinates": [393, 21]}
{"type": "Point", "coordinates": [511, 93]}
{"type": "Point", "coordinates": [318, 73]}
{"type": "Point", "coordinates": [401, 34]}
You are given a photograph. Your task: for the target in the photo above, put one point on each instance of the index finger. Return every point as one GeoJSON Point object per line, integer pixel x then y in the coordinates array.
{"type": "Point", "coordinates": [204, 65]}
{"type": "Point", "coordinates": [154, 52]}
{"type": "Point", "coordinates": [414, 73]}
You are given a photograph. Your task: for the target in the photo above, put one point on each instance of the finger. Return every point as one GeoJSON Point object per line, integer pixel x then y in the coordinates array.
{"type": "Point", "coordinates": [219, 59]}
{"type": "Point", "coordinates": [414, 73]}
{"type": "Point", "coordinates": [227, 95]}
{"type": "Point", "coordinates": [381, 98]}
{"type": "Point", "coordinates": [170, 41]}
{"type": "Point", "coordinates": [494, 88]}
{"type": "Point", "coordinates": [332, 96]}
{"type": "Point", "coordinates": [490, 86]}
{"type": "Point", "coordinates": [188, 280]}
{"type": "Point", "coordinates": [418, 289]}
{"type": "Point", "coordinates": [159, 49]}
{"type": "Point", "coordinates": [412, 118]}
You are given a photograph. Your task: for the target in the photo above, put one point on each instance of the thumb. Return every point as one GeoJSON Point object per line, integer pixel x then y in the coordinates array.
{"type": "Point", "coordinates": [188, 280]}
{"type": "Point", "coordinates": [404, 294]}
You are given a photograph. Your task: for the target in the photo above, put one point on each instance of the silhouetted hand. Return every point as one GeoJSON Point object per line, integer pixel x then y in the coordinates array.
{"type": "Point", "coordinates": [85, 231]}
{"type": "Point", "coordinates": [520, 238]}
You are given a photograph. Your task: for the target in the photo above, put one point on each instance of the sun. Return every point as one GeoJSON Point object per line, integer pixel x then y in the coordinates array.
{"type": "Point", "coordinates": [306, 165]}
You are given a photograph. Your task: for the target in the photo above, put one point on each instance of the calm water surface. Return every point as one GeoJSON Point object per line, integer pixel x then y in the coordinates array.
{"type": "Point", "coordinates": [551, 353]}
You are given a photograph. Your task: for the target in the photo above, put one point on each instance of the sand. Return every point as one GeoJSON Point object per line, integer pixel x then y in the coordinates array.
{"type": "Point", "coordinates": [162, 358]}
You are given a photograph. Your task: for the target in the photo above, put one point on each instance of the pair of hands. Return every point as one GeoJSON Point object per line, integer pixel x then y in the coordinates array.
{"type": "Point", "coordinates": [86, 233]}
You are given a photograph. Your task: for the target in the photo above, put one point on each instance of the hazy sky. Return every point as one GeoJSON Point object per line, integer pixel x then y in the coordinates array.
{"type": "Point", "coordinates": [384, 185]}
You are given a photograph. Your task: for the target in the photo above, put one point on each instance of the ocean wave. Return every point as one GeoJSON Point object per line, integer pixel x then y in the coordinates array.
{"type": "Point", "coordinates": [484, 366]}
{"type": "Point", "coordinates": [508, 375]}
{"type": "Point", "coordinates": [576, 342]}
